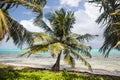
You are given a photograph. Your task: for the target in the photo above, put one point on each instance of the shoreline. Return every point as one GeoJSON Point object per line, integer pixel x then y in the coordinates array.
{"type": "Point", "coordinates": [100, 65]}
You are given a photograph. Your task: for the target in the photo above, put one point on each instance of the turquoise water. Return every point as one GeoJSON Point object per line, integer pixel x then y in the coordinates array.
{"type": "Point", "coordinates": [93, 51]}
{"type": "Point", "coordinates": [96, 51]}
{"type": "Point", "coordinates": [11, 50]}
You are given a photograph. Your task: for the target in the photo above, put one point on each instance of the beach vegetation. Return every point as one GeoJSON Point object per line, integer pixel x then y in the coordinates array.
{"type": "Point", "coordinates": [110, 20]}
{"type": "Point", "coordinates": [59, 40]}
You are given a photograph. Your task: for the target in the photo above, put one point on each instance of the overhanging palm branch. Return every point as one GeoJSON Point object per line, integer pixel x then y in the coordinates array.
{"type": "Point", "coordinates": [18, 33]}
{"type": "Point", "coordinates": [110, 19]}
{"type": "Point", "coordinates": [3, 24]}
{"type": "Point", "coordinates": [11, 27]}
{"type": "Point", "coordinates": [35, 5]}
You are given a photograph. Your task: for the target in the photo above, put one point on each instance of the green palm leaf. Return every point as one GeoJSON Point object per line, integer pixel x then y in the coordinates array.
{"type": "Point", "coordinates": [68, 58]}
{"type": "Point", "coordinates": [56, 48]}
{"type": "Point", "coordinates": [78, 56]}
{"type": "Point", "coordinates": [35, 49]}
{"type": "Point", "coordinates": [35, 5]}
{"type": "Point", "coordinates": [110, 19]}
{"type": "Point", "coordinates": [3, 24]}
{"type": "Point", "coordinates": [19, 34]}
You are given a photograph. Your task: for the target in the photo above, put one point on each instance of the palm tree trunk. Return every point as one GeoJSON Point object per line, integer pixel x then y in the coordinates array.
{"type": "Point", "coordinates": [56, 66]}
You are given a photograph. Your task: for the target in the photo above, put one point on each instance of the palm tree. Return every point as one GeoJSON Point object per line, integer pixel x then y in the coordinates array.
{"type": "Point", "coordinates": [10, 27]}
{"type": "Point", "coordinates": [59, 39]}
{"type": "Point", "coordinates": [110, 21]}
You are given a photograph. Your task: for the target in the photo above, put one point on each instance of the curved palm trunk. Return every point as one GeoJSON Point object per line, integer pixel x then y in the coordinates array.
{"type": "Point", "coordinates": [56, 66]}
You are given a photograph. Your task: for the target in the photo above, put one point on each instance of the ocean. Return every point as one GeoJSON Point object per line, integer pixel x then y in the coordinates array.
{"type": "Point", "coordinates": [14, 53]}
{"type": "Point", "coordinates": [18, 51]}
{"type": "Point", "coordinates": [99, 63]}
{"type": "Point", "coordinates": [11, 51]}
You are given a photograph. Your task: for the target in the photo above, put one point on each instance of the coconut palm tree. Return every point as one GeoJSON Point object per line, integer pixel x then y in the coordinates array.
{"type": "Point", "coordinates": [12, 28]}
{"type": "Point", "coordinates": [110, 21]}
{"type": "Point", "coordinates": [58, 39]}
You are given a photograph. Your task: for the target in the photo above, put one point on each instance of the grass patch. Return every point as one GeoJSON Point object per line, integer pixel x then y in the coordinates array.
{"type": "Point", "coordinates": [30, 74]}
{"type": "Point", "coordinates": [3, 66]}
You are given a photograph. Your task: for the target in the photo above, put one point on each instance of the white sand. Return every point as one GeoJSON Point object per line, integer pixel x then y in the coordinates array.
{"type": "Point", "coordinates": [100, 65]}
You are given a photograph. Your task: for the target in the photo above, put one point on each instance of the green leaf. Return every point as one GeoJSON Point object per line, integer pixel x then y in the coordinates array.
{"type": "Point", "coordinates": [78, 56]}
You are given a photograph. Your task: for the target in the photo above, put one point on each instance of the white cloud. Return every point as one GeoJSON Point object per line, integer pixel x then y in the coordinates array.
{"type": "Point", "coordinates": [85, 23]}
{"type": "Point", "coordinates": [28, 24]}
{"type": "Point", "coordinates": [85, 20]}
{"type": "Point", "coordinates": [72, 3]}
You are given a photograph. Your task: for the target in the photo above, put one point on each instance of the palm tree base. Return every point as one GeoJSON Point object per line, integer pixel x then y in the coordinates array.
{"type": "Point", "coordinates": [56, 66]}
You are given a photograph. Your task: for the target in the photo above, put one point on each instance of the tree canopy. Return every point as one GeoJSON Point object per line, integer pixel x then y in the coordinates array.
{"type": "Point", "coordinates": [59, 39]}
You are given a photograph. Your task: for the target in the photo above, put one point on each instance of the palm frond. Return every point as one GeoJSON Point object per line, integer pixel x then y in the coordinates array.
{"type": "Point", "coordinates": [18, 33]}
{"type": "Point", "coordinates": [40, 38]}
{"type": "Point", "coordinates": [6, 6]}
{"type": "Point", "coordinates": [117, 12]}
{"type": "Point", "coordinates": [39, 22]}
{"type": "Point", "coordinates": [118, 43]}
{"type": "Point", "coordinates": [110, 19]}
{"type": "Point", "coordinates": [3, 24]}
{"type": "Point", "coordinates": [35, 5]}
{"type": "Point", "coordinates": [84, 37]}
{"type": "Point", "coordinates": [78, 46]}
{"type": "Point", "coordinates": [68, 58]}
{"type": "Point", "coordinates": [75, 43]}
{"type": "Point", "coordinates": [35, 49]}
{"type": "Point", "coordinates": [84, 51]}
{"type": "Point", "coordinates": [78, 56]}
{"type": "Point", "coordinates": [56, 48]}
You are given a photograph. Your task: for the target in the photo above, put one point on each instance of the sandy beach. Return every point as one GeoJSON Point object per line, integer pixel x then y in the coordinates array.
{"type": "Point", "coordinates": [100, 65]}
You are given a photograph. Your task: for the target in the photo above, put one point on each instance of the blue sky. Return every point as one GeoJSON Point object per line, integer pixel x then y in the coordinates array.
{"type": "Point", "coordinates": [85, 14]}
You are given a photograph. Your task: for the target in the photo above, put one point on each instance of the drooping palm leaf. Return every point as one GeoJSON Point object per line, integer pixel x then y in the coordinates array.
{"type": "Point", "coordinates": [39, 22]}
{"type": "Point", "coordinates": [35, 49]}
{"type": "Point", "coordinates": [35, 5]}
{"type": "Point", "coordinates": [8, 25]}
{"type": "Point", "coordinates": [3, 24]}
{"type": "Point", "coordinates": [79, 56]}
{"type": "Point", "coordinates": [110, 19]}
{"type": "Point", "coordinates": [79, 46]}
{"type": "Point", "coordinates": [19, 34]}
{"type": "Point", "coordinates": [68, 58]}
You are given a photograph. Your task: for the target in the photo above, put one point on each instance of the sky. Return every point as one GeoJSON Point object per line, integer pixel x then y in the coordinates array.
{"type": "Point", "coordinates": [85, 14]}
